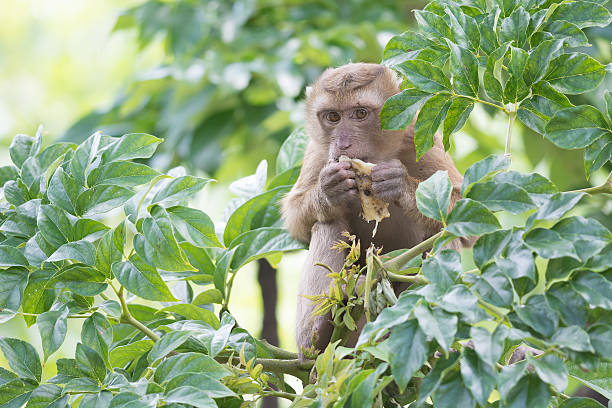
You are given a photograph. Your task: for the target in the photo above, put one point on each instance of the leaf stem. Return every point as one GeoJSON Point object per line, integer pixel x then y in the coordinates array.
{"type": "Point", "coordinates": [605, 188]}
{"type": "Point", "coordinates": [368, 283]}
{"type": "Point", "coordinates": [394, 277]}
{"type": "Point", "coordinates": [278, 352]}
{"type": "Point", "coordinates": [280, 394]}
{"type": "Point", "coordinates": [511, 117]}
{"type": "Point", "coordinates": [397, 262]}
{"type": "Point", "coordinates": [297, 368]}
{"type": "Point", "coordinates": [501, 108]}
{"type": "Point", "coordinates": [126, 317]}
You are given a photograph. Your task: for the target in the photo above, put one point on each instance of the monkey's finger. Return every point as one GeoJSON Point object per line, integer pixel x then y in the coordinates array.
{"type": "Point", "coordinates": [387, 173]}
{"type": "Point", "coordinates": [384, 187]}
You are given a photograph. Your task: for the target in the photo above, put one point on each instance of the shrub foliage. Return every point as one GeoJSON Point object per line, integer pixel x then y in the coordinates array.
{"type": "Point", "coordinates": [89, 232]}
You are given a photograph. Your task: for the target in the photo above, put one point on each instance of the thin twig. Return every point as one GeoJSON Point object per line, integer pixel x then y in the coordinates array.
{"type": "Point", "coordinates": [605, 188]}
{"type": "Point", "coordinates": [396, 263]}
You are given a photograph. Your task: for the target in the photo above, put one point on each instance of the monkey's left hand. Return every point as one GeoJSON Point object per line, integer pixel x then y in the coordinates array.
{"type": "Point", "coordinates": [391, 183]}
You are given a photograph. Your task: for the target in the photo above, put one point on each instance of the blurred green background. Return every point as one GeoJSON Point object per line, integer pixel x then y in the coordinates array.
{"type": "Point", "coordinates": [223, 83]}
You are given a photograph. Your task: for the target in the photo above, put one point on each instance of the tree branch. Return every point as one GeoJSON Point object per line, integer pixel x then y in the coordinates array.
{"type": "Point", "coordinates": [605, 188]}
{"type": "Point", "coordinates": [297, 368]}
{"type": "Point", "coordinates": [397, 262]}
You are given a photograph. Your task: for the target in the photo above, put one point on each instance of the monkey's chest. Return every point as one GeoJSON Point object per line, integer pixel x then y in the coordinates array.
{"type": "Point", "coordinates": [395, 232]}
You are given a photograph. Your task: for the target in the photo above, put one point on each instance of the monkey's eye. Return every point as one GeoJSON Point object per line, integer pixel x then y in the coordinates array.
{"type": "Point", "coordinates": [333, 116]}
{"type": "Point", "coordinates": [361, 113]}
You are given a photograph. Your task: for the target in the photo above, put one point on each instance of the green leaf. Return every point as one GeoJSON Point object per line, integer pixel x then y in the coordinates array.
{"type": "Point", "coordinates": [208, 296]}
{"type": "Point", "coordinates": [482, 168]}
{"type": "Point", "coordinates": [193, 312]}
{"type": "Point", "coordinates": [494, 287]}
{"type": "Point", "coordinates": [458, 113]}
{"type": "Point", "coordinates": [399, 110]}
{"type": "Point", "coordinates": [81, 279]}
{"type": "Point", "coordinates": [390, 317]}
{"type": "Point", "coordinates": [573, 338]}
{"type": "Point", "coordinates": [464, 29]}
{"type": "Point", "coordinates": [594, 288]}
{"type": "Point", "coordinates": [193, 226]}
{"type": "Point", "coordinates": [501, 196]}
{"type": "Point", "coordinates": [424, 76]}
{"type": "Point", "coordinates": [515, 88]}
{"type": "Point", "coordinates": [570, 306]}
{"type": "Point", "coordinates": [586, 234]}
{"type": "Point", "coordinates": [489, 246]}
{"type": "Point", "coordinates": [538, 315]}
{"type": "Point", "coordinates": [89, 361]}
{"type": "Point", "coordinates": [556, 206]}
{"type": "Point", "coordinates": [52, 326]}
{"type": "Point", "coordinates": [514, 27]}
{"type": "Point", "coordinates": [431, 25]}
{"type": "Point", "coordinates": [549, 244]}
{"type": "Point", "coordinates": [21, 148]}
{"type": "Point", "coordinates": [428, 121]}
{"type": "Point", "coordinates": [81, 251]}
{"type": "Point", "coordinates": [443, 269]}
{"type": "Point", "coordinates": [582, 14]}
{"type": "Point", "coordinates": [488, 346]}
{"type": "Point", "coordinates": [12, 284]}
{"type": "Point", "coordinates": [102, 199]}
{"type": "Point", "coordinates": [121, 173]}
{"type": "Point", "coordinates": [551, 369]}
{"type": "Point", "coordinates": [403, 47]}
{"type": "Point", "coordinates": [432, 381]}
{"type": "Point", "coordinates": [15, 393]}
{"type": "Point", "coordinates": [259, 211]}
{"type": "Point", "coordinates": [597, 154]}
{"type": "Point", "coordinates": [189, 363]}
{"type": "Point", "coordinates": [601, 338]}
{"type": "Point", "coordinates": [410, 351]}
{"type": "Point", "coordinates": [142, 280]}
{"type": "Point", "coordinates": [566, 31]}
{"type": "Point", "coordinates": [433, 195]}
{"type": "Point", "coordinates": [529, 391]}
{"type": "Point", "coordinates": [10, 256]}
{"type": "Point", "coordinates": [158, 245]}
{"type": "Point", "coordinates": [179, 190]}
{"type": "Point", "coordinates": [54, 225]}
{"type": "Point", "coordinates": [97, 333]}
{"type": "Point", "coordinates": [488, 33]}
{"type": "Point", "coordinates": [438, 324]}
{"type": "Point", "coordinates": [110, 249]}
{"type": "Point", "coordinates": [122, 355]}
{"type": "Point", "coordinates": [478, 377]}
{"type": "Point", "coordinates": [291, 151]}
{"type": "Point", "coordinates": [8, 173]}
{"type": "Point", "coordinates": [169, 342]}
{"type": "Point", "coordinates": [453, 393]}
{"type": "Point", "coordinates": [22, 358]}
{"type": "Point", "coordinates": [575, 73]}
{"type": "Point", "coordinates": [47, 395]}
{"type": "Point", "coordinates": [536, 111]}
{"type": "Point", "coordinates": [261, 242]}
{"type": "Point", "coordinates": [469, 217]}
{"type": "Point", "coordinates": [191, 396]}
{"type": "Point", "coordinates": [85, 154]}
{"type": "Point", "coordinates": [464, 70]}
{"type": "Point", "coordinates": [38, 295]}
{"type": "Point", "coordinates": [63, 191]}
{"type": "Point", "coordinates": [539, 59]}
{"type": "Point", "coordinates": [598, 379]}
{"type": "Point", "coordinates": [131, 146]}
{"type": "Point", "coordinates": [580, 403]}
{"type": "Point", "coordinates": [202, 381]}
{"type": "Point", "coordinates": [459, 299]}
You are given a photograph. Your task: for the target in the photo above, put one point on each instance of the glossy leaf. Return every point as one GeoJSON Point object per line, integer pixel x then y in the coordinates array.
{"type": "Point", "coordinates": [433, 196]}
{"type": "Point", "coordinates": [22, 358]}
{"type": "Point", "coordinates": [469, 217]}
{"type": "Point", "coordinates": [52, 326]}
{"type": "Point", "coordinates": [428, 121]}
{"type": "Point", "coordinates": [400, 109]}
{"type": "Point", "coordinates": [142, 279]}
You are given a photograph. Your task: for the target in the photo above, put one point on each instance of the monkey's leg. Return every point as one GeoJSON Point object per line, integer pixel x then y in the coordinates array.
{"type": "Point", "coordinates": [314, 281]}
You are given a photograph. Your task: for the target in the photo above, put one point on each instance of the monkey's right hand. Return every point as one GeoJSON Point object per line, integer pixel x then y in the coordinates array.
{"type": "Point", "coordinates": [337, 185]}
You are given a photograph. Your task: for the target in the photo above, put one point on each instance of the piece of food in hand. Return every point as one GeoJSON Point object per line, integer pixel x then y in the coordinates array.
{"type": "Point", "coordinates": [372, 208]}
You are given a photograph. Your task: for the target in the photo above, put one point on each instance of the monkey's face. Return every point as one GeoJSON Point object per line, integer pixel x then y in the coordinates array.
{"type": "Point", "coordinates": [343, 110]}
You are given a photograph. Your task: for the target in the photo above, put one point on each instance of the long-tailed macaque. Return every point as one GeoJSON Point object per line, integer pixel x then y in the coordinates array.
{"type": "Point", "coordinates": [343, 118]}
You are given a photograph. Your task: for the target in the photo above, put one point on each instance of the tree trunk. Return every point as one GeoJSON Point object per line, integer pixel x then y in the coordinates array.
{"type": "Point", "coordinates": [266, 276]}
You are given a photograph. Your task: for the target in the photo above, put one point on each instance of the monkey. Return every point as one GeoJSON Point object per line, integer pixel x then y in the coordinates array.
{"type": "Point", "coordinates": [343, 118]}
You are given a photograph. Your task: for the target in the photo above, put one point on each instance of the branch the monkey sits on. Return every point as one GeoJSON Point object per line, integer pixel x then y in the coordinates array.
{"type": "Point", "coordinates": [343, 119]}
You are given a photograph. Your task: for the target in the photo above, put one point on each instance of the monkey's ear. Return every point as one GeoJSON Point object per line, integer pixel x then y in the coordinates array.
{"type": "Point", "coordinates": [308, 91]}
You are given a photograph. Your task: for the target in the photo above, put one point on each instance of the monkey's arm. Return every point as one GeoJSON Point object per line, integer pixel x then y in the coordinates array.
{"type": "Point", "coordinates": [322, 193]}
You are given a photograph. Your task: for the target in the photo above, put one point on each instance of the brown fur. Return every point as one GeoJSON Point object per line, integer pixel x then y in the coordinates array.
{"type": "Point", "coordinates": [323, 202]}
